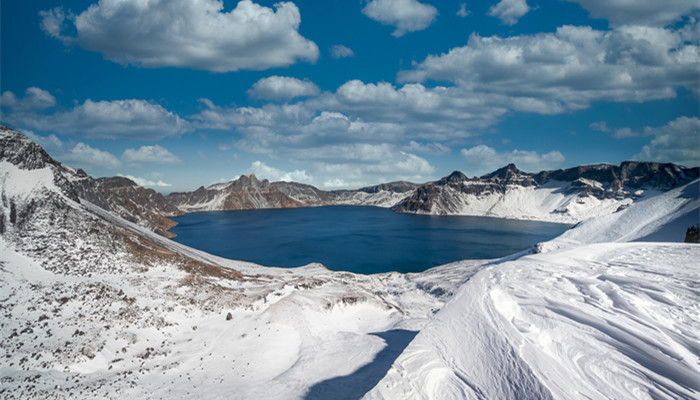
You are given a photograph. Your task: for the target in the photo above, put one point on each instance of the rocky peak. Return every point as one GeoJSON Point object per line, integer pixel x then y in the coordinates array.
{"type": "Point", "coordinates": [19, 150]}
{"type": "Point", "coordinates": [116, 182]}
{"type": "Point", "coordinates": [454, 177]}
{"type": "Point", "coordinates": [250, 181]}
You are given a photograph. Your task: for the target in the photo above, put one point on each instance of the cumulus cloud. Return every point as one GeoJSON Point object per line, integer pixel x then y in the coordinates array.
{"type": "Point", "coordinates": [188, 33]}
{"type": "Point", "coordinates": [482, 159]}
{"type": "Point", "coordinates": [34, 99]}
{"type": "Point", "coordinates": [282, 88]}
{"type": "Point", "coordinates": [644, 12]}
{"type": "Point", "coordinates": [85, 156]}
{"type": "Point", "coordinates": [567, 70]}
{"type": "Point", "coordinates": [149, 155]}
{"type": "Point", "coordinates": [339, 51]}
{"type": "Point", "coordinates": [677, 142]}
{"type": "Point", "coordinates": [273, 174]}
{"type": "Point", "coordinates": [405, 15]}
{"type": "Point", "coordinates": [509, 11]}
{"type": "Point", "coordinates": [132, 119]}
{"type": "Point", "coordinates": [146, 182]}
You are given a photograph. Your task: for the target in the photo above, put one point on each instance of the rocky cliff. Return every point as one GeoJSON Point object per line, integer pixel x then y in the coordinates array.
{"type": "Point", "coordinates": [139, 205]}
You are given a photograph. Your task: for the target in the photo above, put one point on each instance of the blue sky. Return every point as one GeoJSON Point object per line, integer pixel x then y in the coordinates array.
{"type": "Point", "coordinates": [346, 93]}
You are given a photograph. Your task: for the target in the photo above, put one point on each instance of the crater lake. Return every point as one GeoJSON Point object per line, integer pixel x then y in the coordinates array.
{"type": "Point", "coordinates": [359, 239]}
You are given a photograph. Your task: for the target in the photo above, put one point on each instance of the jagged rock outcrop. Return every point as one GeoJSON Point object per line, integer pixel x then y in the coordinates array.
{"type": "Point", "coordinates": [142, 206]}
{"type": "Point", "coordinates": [692, 235]}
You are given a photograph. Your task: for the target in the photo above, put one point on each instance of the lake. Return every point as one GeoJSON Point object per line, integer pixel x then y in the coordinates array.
{"type": "Point", "coordinates": [359, 239]}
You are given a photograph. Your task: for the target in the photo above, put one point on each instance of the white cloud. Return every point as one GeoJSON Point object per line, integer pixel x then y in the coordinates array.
{"type": "Point", "coordinates": [132, 119]}
{"type": "Point", "coordinates": [273, 174]}
{"type": "Point", "coordinates": [149, 155]}
{"type": "Point", "coordinates": [405, 15]}
{"type": "Point", "coordinates": [600, 126]}
{"type": "Point", "coordinates": [567, 70]}
{"type": "Point", "coordinates": [339, 51]}
{"type": "Point", "coordinates": [436, 149]}
{"type": "Point", "coordinates": [463, 12]}
{"type": "Point", "coordinates": [84, 156]}
{"type": "Point", "coordinates": [646, 12]}
{"type": "Point", "coordinates": [146, 182]}
{"type": "Point", "coordinates": [677, 142]}
{"type": "Point", "coordinates": [482, 159]}
{"type": "Point", "coordinates": [509, 11]}
{"type": "Point", "coordinates": [188, 33]}
{"type": "Point", "coordinates": [53, 22]}
{"type": "Point", "coordinates": [34, 99]}
{"type": "Point", "coordinates": [282, 88]}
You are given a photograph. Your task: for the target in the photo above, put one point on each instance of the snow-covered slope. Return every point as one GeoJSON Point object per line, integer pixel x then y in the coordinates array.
{"type": "Point", "coordinates": [95, 306]}
{"type": "Point", "coordinates": [583, 318]}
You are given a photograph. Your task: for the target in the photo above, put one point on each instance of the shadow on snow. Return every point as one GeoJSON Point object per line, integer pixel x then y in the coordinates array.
{"type": "Point", "coordinates": [355, 385]}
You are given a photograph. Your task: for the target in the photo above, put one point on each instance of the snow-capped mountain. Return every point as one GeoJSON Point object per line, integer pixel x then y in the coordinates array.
{"type": "Point", "coordinates": [248, 192]}
{"type": "Point", "coordinates": [94, 306]}
{"type": "Point", "coordinates": [569, 195]}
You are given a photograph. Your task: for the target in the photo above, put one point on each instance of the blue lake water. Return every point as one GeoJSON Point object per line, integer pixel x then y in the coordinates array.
{"type": "Point", "coordinates": [359, 239]}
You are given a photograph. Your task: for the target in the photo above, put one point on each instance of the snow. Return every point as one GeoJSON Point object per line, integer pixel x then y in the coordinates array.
{"type": "Point", "coordinates": [600, 312]}
{"type": "Point", "coordinates": [24, 184]}
{"type": "Point", "coordinates": [554, 201]}
{"type": "Point", "coordinates": [591, 317]}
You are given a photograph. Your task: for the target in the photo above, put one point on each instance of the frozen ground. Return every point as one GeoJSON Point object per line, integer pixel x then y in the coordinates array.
{"type": "Point", "coordinates": [94, 306]}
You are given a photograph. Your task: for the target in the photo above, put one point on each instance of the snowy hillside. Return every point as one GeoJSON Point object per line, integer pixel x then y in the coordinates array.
{"type": "Point", "coordinates": [567, 196]}
{"type": "Point", "coordinates": [577, 320]}
{"type": "Point", "coordinates": [94, 306]}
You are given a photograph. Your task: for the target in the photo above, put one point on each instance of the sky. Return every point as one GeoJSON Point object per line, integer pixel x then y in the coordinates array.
{"type": "Point", "coordinates": [178, 94]}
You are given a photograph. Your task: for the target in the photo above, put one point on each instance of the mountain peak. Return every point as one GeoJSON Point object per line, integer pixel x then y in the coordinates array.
{"type": "Point", "coordinates": [455, 176]}
{"type": "Point", "coordinates": [506, 172]}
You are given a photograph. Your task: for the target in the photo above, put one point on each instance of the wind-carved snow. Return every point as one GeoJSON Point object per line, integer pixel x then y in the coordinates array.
{"type": "Point", "coordinates": [602, 320]}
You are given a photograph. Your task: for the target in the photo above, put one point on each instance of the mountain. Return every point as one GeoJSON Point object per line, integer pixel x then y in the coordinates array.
{"type": "Point", "coordinates": [95, 306]}
{"type": "Point", "coordinates": [248, 192]}
{"type": "Point", "coordinates": [139, 205]}
{"type": "Point", "coordinates": [568, 195]}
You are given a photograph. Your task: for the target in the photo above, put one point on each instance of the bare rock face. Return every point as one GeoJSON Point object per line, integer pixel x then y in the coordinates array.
{"type": "Point", "coordinates": [142, 206]}
{"type": "Point", "coordinates": [692, 235]}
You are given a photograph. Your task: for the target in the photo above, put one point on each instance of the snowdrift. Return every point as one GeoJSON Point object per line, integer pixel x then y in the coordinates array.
{"type": "Point", "coordinates": [590, 316]}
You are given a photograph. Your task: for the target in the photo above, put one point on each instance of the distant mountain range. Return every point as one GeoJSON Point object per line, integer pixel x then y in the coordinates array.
{"type": "Point", "coordinates": [566, 195]}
